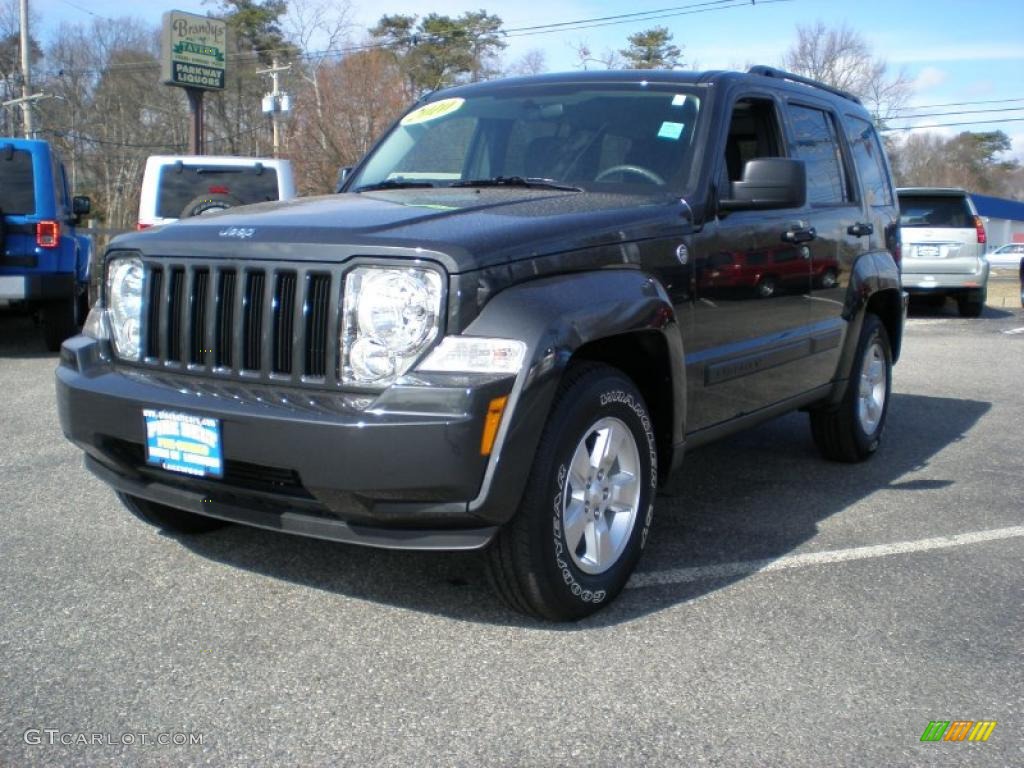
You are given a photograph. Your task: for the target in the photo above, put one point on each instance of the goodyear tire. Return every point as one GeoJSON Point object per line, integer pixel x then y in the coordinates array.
{"type": "Point", "coordinates": [588, 503]}
{"type": "Point", "coordinates": [852, 431]}
{"type": "Point", "coordinates": [210, 203]}
{"type": "Point", "coordinates": [168, 518]}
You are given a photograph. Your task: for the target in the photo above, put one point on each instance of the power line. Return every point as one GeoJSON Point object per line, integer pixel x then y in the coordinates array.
{"type": "Point", "coordinates": [952, 125]}
{"type": "Point", "coordinates": [539, 29]}
{"type": "Point", "coordinates": [595, 23]}
{"type": "Point", "coordinates": [628, 16]}
{"type": "Point", "coordinates": [962, 104]}
{"type": "Point", "coordinates": [957, 113]}
{"type": "Point", "coordinates": [85, 10]}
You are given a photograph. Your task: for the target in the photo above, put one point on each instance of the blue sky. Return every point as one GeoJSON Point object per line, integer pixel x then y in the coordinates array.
{"type": "Point", "coordinates": [953, 50]}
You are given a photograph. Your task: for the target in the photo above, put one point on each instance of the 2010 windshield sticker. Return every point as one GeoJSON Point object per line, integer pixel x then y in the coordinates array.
{"type": "Point", "coordinates": [433, 111]}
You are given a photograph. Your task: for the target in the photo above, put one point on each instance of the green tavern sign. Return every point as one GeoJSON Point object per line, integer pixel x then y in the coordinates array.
{"type": "Point", "coordinates": [192, 51]}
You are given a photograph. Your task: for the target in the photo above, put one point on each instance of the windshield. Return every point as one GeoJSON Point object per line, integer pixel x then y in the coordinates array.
{"type": "Point", "coordinates": [180, 185]}
{"type": "Point", "coordinates": [17, 188]}
{"type": "Point", "coordinates": [631, 139]}
{"type": "Point", "coordinates": [935, 211]}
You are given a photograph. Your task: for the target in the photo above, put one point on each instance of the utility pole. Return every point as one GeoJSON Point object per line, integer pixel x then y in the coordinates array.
{"type": "Point", "coordinates": [26, 85]}
{"type": "Point", "coordinates": [276, 103]}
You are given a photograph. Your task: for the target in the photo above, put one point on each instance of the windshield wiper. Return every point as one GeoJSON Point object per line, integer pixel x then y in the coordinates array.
{"type": "Point", "coordinates": [515, 181]}
{"type": "Point", "coordinates": [394, 184]}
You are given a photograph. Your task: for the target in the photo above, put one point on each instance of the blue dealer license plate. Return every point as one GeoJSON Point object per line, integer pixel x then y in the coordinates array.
{"type": "Point", "coordinates": [181, 442]}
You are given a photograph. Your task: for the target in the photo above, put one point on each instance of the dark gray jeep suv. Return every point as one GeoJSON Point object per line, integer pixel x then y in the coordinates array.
{"type": "Point", "coordinates": [529, 299]}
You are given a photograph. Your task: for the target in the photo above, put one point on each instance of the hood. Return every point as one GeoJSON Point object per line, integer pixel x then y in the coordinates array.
{"type": "Point", "coordinates": [464, 228]}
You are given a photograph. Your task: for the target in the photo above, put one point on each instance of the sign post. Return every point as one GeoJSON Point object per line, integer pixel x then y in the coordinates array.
{"type": "Point", "coordinates": [193, 52]}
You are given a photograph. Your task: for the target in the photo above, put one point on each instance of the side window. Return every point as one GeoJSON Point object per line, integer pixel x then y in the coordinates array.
{"type": "Point", "coordinates": [753, 133]}
{"type": "Point", "coordinates": [817, 144]}
{"type": "Point", "coordinates": [867, 156]}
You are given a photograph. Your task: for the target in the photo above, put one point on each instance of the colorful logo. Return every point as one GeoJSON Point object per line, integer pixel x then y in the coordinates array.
{"type": "Point", "coordinates": [958, 730]}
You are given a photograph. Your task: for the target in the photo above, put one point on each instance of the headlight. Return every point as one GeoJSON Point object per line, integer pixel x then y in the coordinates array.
{"type": "Point", "coordinates": [391, 316]}
{"type": "Point", "coordinates": [124, 306]}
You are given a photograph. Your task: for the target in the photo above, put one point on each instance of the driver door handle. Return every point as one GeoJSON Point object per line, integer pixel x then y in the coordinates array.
{"type": "Point", "coordinates": [860, 229]}
{"type": "Point", "coordinates": [799, 233]}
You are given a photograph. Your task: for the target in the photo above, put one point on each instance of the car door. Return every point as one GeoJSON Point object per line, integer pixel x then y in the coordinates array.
{"type": "Point", "coordinates": [752, 279]}
{"type": "Point", "coordinates": [835, 211]}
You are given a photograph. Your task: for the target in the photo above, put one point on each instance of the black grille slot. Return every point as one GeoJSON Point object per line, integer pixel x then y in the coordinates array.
{"type": "Point", "coordinates": [225, 319]}
{"type": "Point", "coordinates": [244, 320]}
{"type": "Point", "coordinates": [284, 321]}
{"type": "Point", "coordinates": [176, 302]}
{"type": "Point", "coordinates": [200, 291]}
{"type": "Point", "coordinates": [253, 321]}
{"type": "Point", "coordinates": [318, 302]}
{"type": "Point", "coordinates": [156, 283]}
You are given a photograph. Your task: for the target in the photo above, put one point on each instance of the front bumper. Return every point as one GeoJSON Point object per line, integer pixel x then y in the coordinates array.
{"type": "Point", "coordinates": [398, 470]}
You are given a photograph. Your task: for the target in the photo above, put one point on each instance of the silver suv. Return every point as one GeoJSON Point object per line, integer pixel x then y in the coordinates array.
{"type": "Point", "coordinates": [943, 247]}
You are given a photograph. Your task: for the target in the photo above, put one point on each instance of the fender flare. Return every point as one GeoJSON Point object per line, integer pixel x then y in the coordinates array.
{"type": "Point", "coordinates": [875, 283]}
{"type": "Point", "coordinates": [556, 317]}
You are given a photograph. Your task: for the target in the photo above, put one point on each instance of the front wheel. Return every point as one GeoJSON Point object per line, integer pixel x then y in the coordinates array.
{"type": "Point", "coordinates": [852, 431]}
{"type": "Point", "coordinates": [588, 503]}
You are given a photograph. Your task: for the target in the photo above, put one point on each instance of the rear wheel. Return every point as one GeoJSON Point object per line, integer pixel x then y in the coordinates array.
{"type": "Point", "coordinates": [168, 518]}
{"type": "Point", "coordinates": [852, 431]}
{"type": "Point", "coordinates": [766, 288]}
{"type": "Point", "coordinates": [588, 504]}
{"type": "Point", "coordinates": [972, 303]}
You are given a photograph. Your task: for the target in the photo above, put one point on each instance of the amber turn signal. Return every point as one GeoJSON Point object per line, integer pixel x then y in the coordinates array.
{"type": "Point", "coordinates": [494, 411]}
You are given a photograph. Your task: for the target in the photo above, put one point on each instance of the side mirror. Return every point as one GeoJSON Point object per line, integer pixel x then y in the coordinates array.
{"type": "Point", "coordinates": [81, 205]}
{"type": "Point", "coordinates": [768, 182]}
{"type": "Point", "coordinates": [342, 176]}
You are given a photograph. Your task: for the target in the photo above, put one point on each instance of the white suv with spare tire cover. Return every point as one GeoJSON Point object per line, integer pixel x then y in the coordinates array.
{"type": "Point", "coordinates": [179, 186]}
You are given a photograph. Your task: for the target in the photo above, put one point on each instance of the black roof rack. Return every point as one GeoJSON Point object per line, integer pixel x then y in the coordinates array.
{"type": "Point", "coordinates": [765, 71]}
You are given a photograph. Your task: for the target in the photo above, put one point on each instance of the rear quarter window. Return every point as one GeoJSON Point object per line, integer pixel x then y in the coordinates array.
{"type": "Point", "coordinates": [17, 184]}
{"type": "Point", "coordinates": [870, 162]}
{"type": "Point", "coordinates": [179, 187]}
{"type": "Point", "coordinates": [935, 211]}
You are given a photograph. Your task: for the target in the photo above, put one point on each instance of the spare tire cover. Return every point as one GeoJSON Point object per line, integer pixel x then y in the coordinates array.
{"type": "Point", "coordinates": [208, 203]}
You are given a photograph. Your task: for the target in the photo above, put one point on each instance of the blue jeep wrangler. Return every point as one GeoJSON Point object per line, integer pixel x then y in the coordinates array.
{"type": "Point", "coordinates": [44, 264]}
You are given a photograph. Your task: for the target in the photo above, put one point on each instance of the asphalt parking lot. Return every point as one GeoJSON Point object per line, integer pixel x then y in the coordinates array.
{"type": "Point", "coordinates": [788, 611]}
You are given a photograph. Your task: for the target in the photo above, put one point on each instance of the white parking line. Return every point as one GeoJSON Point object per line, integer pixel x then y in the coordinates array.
{"type": "Point", "coordinates": [746, 567]}
{"type": "Point", "coordinates": [1014, 330]}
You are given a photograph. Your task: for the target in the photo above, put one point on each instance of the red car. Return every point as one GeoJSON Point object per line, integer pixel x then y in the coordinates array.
{"type": "Point", "coordinates": [766, 271]}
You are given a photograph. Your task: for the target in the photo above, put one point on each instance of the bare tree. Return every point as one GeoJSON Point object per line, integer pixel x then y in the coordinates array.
{"type": "Point", "coordinates": [586, 57]}
{"type": "Point", "coordinates": [362, 94]}
{"type": "Point", "coordinates": [840, 57]}
{"type": "Point", "coordinates": [974, 161]}
{"type": "Point", "coordinates": [319, 29]}
{"type": "Point", "coordinates": [533, 62]}
{"type": "Point", "coordinates": [109, 114]}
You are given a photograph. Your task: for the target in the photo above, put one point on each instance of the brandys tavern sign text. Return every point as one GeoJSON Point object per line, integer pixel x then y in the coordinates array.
{"type": "Point", "coordinates": [193, 49]}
